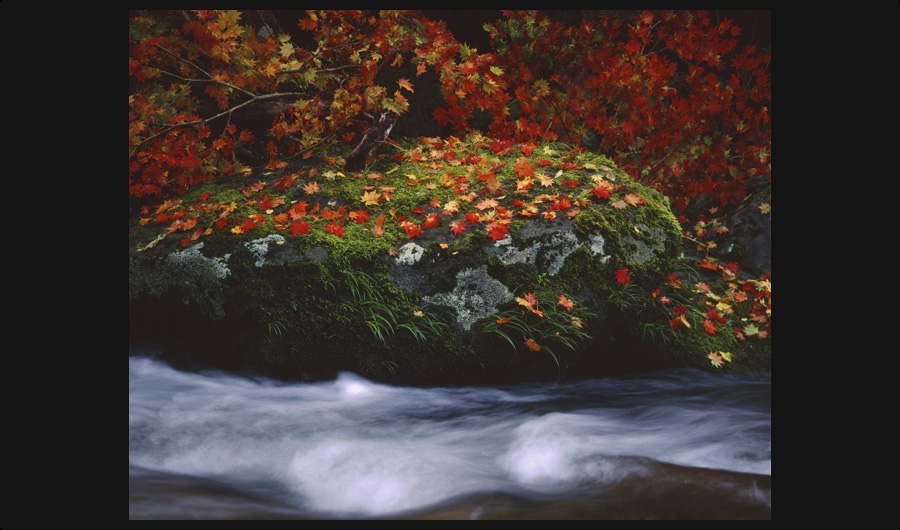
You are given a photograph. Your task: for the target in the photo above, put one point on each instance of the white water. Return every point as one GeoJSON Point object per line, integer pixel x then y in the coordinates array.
{"type": "Point", "coordinates": [219, 446]}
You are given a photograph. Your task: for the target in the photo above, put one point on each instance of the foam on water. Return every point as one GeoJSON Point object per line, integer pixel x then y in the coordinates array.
{"type": "Point", "coordinates": [351, 447]}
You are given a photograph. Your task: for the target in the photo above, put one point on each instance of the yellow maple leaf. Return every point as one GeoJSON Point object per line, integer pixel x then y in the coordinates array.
{"type": "Point", "coordinates": [522, 185]}
{"type": "Point", "coordinates": [370, 198]}
{"type": "Point", "coordinates": [764, 208]}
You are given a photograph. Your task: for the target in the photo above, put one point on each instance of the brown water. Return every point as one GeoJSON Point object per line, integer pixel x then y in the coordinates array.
{"type": "Point", "coordinates": [678, 444]}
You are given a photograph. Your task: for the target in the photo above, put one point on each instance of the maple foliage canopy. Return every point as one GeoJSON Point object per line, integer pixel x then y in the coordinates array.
{"type": "Point", "coordinates": [666, 94]}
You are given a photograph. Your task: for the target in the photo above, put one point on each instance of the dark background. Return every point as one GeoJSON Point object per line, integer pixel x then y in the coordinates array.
{"type": "Point", "coordinates": [467, 25]}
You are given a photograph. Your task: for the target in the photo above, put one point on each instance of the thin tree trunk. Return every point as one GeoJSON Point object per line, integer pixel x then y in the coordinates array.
{"type": "Point", "coordinates": [374, 137]}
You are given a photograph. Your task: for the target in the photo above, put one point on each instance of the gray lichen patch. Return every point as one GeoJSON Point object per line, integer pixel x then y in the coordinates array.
{"type": "Point", "coordinates": [596, 246]}
{"type": "Point", "coordinates": [475, 296]}
{"type": "Point", "coordinates": [409, 254]}
{"type": "Point", "coordinates": [198, 278]}
{"type": "Point", "coordinates": [545, 252]}
{"type": "Point", "coordinates": [272, 249]}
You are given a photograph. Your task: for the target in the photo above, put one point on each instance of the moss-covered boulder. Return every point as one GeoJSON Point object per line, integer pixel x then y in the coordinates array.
{"type": "Point", "coordinates": [443, 261]}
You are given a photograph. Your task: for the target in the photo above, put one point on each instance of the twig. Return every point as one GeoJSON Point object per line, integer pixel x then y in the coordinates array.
{"type": "Point", "coordinates": [211, 78]}
{"type": "Point", "coordinates": [253, 99]}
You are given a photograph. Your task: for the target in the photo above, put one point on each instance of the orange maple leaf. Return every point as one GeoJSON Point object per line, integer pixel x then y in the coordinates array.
{"type": "Point", "coordinates": [404, 83]}
{"type": "Point", "coordinates": [563, 301]}
{"type": "Point", "coordinates": [634, 199]}
{"type": "Point", "coordinates": [268, 204]}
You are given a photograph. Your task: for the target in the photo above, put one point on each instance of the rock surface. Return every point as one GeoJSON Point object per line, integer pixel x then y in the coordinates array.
{"type": "Point", "coordinates": [315, 270]}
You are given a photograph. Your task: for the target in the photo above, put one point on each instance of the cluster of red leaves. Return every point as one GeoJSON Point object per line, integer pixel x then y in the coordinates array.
{"type": "Point", "coordinates": [441, 157]}
{"type": "Point", "coordinates": [658, 91]}
{"type": "Point", "coordinates": [463, 168]}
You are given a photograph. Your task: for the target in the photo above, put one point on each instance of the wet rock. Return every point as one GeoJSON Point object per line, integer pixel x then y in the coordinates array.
{"type": "Point", "coordinates": [391, 292]}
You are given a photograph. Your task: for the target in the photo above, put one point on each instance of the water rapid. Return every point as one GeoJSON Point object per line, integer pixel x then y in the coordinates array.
{"type": "Point", "coordinates": [672, 444]}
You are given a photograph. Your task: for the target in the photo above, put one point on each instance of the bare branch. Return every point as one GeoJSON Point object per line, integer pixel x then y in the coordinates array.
{"type": "Point", "coordinates": [211, 79]}
{"type": "Point", "coordinates": [253, 99]}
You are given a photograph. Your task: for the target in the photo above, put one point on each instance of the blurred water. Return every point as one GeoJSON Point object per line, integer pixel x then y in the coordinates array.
{"type": "Point", "coordinates": [673, 444]}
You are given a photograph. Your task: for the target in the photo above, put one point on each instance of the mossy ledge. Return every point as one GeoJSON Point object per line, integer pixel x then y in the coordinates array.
{"type": "Point", "coordinates": [437, 307]}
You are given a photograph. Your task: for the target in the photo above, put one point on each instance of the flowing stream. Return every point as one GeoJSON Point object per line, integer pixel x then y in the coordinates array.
{"type": "Point", "coordinates": [675, 444]}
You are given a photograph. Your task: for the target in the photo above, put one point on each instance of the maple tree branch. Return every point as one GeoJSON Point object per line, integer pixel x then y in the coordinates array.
{"type": "Point", "coordinates": [660, 161]}
{"type": "Point", "coordinates": [207, 81]}
{"type": "Point", "coordinates": [254, 98]}
{"type": "Point", "coordinates": [211, 78]}
{"type": "Point", "coordinates": [335, 69]}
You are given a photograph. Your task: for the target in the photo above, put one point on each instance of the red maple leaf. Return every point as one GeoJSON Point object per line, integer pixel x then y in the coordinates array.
{"type": "Point", "coordinates": [473, 217]}
{"type": "Point", "coordinates": [298, 210]}
{"type": "Point", "coordinates": [267, 204]}
{"type": "Point", "coordinates": [413, 230]}
{"type": "Point", "coordinates": [497, 231]}
{"type": "Point", "coordinates": [245, 227]}
{"type": "Point", "coordinates": [431, 220]}
{"type": "Point", "coordinates": [603, 190]}
{"type": "Point", "coordinates": [528, 300]}
{"type": "Point", "coordinates": [622, 276]}
{"type": "Point", "coordinates": [335, 229]}
{"type": "Point", "coordinates": [360, 216]}
{"type": "Point", "coordinates": [458, 227]}
{"type": "Point", "coordinates": [299, 227]}
{"type": "Point", "coordinates": [524, 168]}
{"type": "Point", "coordinates": [561, 202]}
